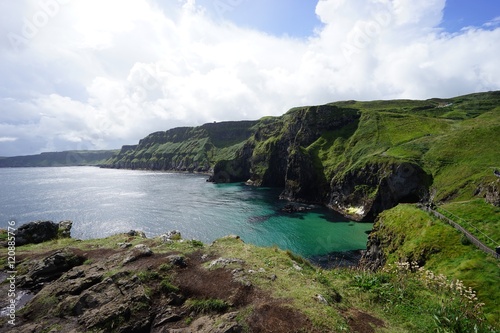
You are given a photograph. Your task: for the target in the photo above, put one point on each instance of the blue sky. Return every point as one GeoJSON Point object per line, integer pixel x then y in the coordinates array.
{"type": "Point", "coordinates": [297, 18]}
{"type": "Point", "coordinates": [99, 74]}
{"type": "Point", "coordinates": [462, 13]}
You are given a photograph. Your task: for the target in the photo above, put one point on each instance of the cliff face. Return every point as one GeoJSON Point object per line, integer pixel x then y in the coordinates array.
{"type": "Point", "coordinates": [193, 149]}
{"type": "Point", "coordinates": [358, 158]}
{"type": "Point", "coordinates": [367, 191]}
{"type": "Point", "coordinates": [54, 159]}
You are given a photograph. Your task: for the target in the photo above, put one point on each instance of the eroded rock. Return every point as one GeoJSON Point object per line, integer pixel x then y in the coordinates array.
{"type": "Point", "coordinates": [171, 236]}
{"type": "Point", "coordinates": [139, 251]}
{"type": "Point", "coordinates": [48, 269]}
{"type": "Point", "coordinates": [36, 232]}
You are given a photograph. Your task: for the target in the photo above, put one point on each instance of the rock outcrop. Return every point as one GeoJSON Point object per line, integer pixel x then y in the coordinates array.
{"type": "Point", "coordinates": [42, 231]}
{"type": "Point", "coordinates": [48, 269]}
{"type": "Point", "coordinates": [490, 192]}
{"type": "Point", "coordinates": [365, 192]}
{"type": "Point", "coordinates": [134, 289]}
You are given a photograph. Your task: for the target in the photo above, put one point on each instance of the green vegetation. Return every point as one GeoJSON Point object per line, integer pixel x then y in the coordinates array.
{"type": "Point", "coordinates": [186, 149]}
{"type": "Point", "coordinates": [167, 287]}
{"type": "Point", "coordinates": [407, 299]}
{"type": "Point", "coordinates": [146, 276]}
{"type": "Point", "coordinates": [477, 216]}
{"type": "Point", "coordinates": [56, 159]}
{"type": "Point", "coordinates": [411, 235]}
{"type": "Point", "coordinates": [421, 301]}
{"type": "Point", "coordinates": [458, 153]}
{"type": "Point", "coordinates": [207, 305]}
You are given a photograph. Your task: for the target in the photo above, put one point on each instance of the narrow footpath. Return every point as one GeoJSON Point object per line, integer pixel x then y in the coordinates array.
{"type": "Point", "coordinates": [467, 234]}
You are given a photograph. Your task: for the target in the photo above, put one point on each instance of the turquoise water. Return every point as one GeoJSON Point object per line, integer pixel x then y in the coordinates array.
{"type": "Point", "coordinates": [102, 202]}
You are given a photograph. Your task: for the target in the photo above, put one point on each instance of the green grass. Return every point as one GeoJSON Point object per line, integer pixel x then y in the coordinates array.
{"type": "Point", "coordinates": [299, 287]}
{"type": "Point", "coordinates": [413, 235]}
{"type": "Point", "coordinates": [146, 276]}
{"type": "Point", "coordinates": [401, 298]}
{"type": "Point", "coordinates": [459, 153]}
{"type": "Point", "coordinates": [479, 217]}
{"type": "Point", "coordinates": [207, 305]}
{"type": "Point", "coordinates": [167, 287]}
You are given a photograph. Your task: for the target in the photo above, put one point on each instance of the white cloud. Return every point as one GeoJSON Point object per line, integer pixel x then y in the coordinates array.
{"type": "Point", "coordinates": [98, 75]}
{"type": "Point", "coordinates": [7, 139]}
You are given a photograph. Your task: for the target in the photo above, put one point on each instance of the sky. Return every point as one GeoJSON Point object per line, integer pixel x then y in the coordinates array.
{"type": "Point", "coordinates": [99, 74]}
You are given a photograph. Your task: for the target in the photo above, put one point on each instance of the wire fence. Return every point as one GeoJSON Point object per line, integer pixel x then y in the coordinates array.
{"type": "Point", "coordinates": [469, 225]}
{"type": "Point", "coordinates": [466, 233]}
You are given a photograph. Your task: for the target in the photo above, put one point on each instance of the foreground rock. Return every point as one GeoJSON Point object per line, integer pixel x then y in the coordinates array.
{"type": "Point", "coordinates": [145, 287]}
{"type": "Point", "coordinates": [48, 269]}
{"type": "Point", "coordinates": [42, 231]}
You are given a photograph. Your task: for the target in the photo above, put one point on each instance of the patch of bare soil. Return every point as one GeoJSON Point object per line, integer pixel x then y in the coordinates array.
{"type": "Point", "coordinates": [362, 322]}
{"type": "Point", "coordinates": [195, 281]}
{"type": "Point", "coordinates": [271, 315]}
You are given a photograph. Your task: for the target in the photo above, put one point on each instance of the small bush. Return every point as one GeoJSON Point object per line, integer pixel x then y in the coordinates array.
{"type": "Point", "coordinates": [147, 276]}
{"type": "Point", "coordinates": [167, 286]}
{"type": "Point", "coordinates": [298, 259]}
{"type": "Point", "coordinates": [464, 240]}
{"type": "Point", "coordinates": [165, 267]}
{"type": "Point", "coordinates": [207, 305]}
{"type": "Point", "coordinates": [176, 237]}
{"type": "Point", "coordinates": [196, 243]}
{"type": "Point", "coordinates": [3, 235]}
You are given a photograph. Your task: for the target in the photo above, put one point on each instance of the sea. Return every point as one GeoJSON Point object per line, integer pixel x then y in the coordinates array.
{"type": "Point", "coordinates": [103, 202]}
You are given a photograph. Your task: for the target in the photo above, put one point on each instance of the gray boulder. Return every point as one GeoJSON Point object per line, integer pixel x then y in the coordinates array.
{"type": "Point", "coordinates": [36, 232]}
{"type": "Point", "coordinates": [42, 231]}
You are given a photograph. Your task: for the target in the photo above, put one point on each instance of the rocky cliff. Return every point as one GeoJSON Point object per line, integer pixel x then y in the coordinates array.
{"type": "Point", "coordinates": [358, 158]}
{"type": "Point", "coordinates": [192, 149]}
{"type": "Point", "coordinates": [56, 159]}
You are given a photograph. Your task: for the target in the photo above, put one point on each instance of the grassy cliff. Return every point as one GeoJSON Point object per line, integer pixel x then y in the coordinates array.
{"type": "Point", "coordinates": [57, 159]}
{"type": "Point", "coordinates": [408, 234]}
{"type": "Point", "coordinates": [193, 149]}
{"type": "Point", "coordinates": [359, 158]}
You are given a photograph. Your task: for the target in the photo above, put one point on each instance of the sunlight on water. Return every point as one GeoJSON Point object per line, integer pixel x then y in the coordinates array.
{"type": "Point", "coordinates": [102, 202]}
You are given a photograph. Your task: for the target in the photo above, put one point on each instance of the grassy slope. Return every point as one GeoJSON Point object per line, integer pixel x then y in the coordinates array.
{"type": "Point", "coordinates": [200, 146]}
{"type": "Point", "coordinates": [402, 300]}
{"type": "Point", "coordinates": [426, 133]}
{"type": "Point", "coordinates": [414, 235]}
{"type": "Point", "coordinates": [454, 140]}
{"type": "Point", "coordinates": [478, 216]}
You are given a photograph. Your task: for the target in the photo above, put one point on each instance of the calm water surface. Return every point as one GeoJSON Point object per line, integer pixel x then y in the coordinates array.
{"type": "Point", "coordinates": [102, 202]}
